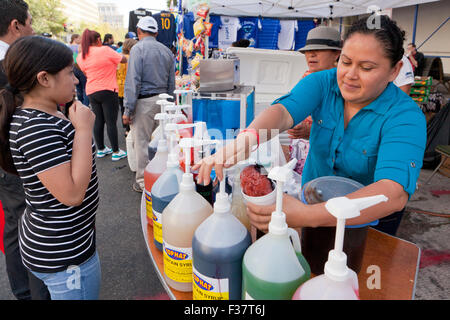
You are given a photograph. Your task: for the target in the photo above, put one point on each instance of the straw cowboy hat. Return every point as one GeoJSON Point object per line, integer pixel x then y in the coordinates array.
{"type": "Point", "coordinates": [322, 38]}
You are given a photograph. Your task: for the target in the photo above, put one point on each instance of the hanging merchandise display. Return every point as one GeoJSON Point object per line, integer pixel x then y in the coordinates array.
{"type": "Point", "coordinates": [228, 31]}
{"type": "Point", "coordinates": [338, 281]}
{"type": "Point", "coordinates": [250, 26]}
{"type": "Point", "coordinates": [135, 16]}
{"type": "Point", "coordinates": [218, 247]}
{"type": "Point", "coordinates": [273, 266]}
{"type": "Point", "coordinates": [166, 28]}
{"type": "Point", "coordinates": [286, 37]}
{"type": "Point", "coordinates": [191, 45]}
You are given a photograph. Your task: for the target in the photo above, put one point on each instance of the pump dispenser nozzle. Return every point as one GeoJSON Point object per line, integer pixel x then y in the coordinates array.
{"type": "Point", "coordinates": [183, 92]}
{"type": "Point", "coordinates": [280, 175]}
{"type": "Point", "coordinates": [177, 108]}
{"type": "Point", "coordinates": [344, 208]}
{"type": "Point", "coordinates": [172, 158]}
{"type": "Point", "coordinates": [163, 104]}
{"type": "Point", "coordinates": [165, 96]}
{"type": "Point", "coordinates": [186, 144]}
{"type": "Point", "coordinates": [222, 204]}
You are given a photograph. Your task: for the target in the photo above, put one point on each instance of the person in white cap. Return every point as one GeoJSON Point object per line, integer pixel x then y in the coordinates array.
{"type": "Point", "coordinates": [151, 71]}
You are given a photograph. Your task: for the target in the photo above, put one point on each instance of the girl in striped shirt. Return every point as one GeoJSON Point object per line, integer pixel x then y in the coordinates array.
{"type": "Point", "coordinates": [55, 158]}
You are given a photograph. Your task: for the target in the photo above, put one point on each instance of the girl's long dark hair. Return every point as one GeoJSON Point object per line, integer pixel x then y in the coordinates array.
{"type": "Point", "coordinates": [25, 58]}
{"type": "Point", "coordinates": [88, 39]}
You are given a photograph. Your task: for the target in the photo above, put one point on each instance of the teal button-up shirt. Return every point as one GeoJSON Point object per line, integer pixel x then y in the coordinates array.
{"type": "Point", "coordinates": [384, 140]}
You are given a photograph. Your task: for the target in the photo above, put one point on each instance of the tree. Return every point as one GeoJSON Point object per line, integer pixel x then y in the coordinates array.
{"type": "Point", "coordinates": [47, 16]}
{"type": "Point", "coordinates": [175, 3]}
{"type": "Point", "coordinates": [102, 28]}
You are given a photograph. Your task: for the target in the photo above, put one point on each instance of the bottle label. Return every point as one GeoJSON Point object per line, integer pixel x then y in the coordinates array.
{"type": "Point", "coordinates": [148, 205]}
{"type": "Point", "coordinates": [177, 263]}
{"type": "Point", "coordinates": [207, 288]}
{"type": "Point", "coordinates": [157, 226]}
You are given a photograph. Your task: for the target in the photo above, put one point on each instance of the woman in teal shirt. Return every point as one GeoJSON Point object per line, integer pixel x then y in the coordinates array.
{"type": "Point", "coordinates": [364, 128]}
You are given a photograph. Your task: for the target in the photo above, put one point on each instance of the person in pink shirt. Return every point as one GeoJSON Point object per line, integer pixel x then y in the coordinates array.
{"type": "Point", "coordinates": [99, 63]}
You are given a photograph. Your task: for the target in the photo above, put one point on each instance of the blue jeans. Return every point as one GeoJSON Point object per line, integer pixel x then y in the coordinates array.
{"type": "Point", "coordinates": [76, 283]}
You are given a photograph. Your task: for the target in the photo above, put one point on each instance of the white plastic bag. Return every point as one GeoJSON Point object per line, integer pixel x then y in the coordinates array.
{"type": "Point", "coordinates": [131, 154]}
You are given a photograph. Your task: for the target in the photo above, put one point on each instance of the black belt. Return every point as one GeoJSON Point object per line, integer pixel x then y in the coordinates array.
{"type": "Point", "coordinates": [145, 96]}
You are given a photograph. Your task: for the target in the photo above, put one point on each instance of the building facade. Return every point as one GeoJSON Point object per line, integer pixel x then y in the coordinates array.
{"type": "Point", "coordinates": [109, 14]}
{"type": "Point", "coordinates": [80, 11]}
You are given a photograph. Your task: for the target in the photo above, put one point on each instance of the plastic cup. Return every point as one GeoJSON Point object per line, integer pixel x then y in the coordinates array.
{"type": "Point", "coordinates": [266, 200]}
{"type": "Point", "coordinates": [317, 242]}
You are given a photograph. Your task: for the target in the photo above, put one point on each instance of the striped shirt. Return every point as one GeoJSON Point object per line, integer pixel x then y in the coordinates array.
{"type": "Point", "coordinates": [52, 235]}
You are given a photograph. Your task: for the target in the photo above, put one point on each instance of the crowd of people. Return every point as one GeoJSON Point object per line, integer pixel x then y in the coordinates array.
{"type": "Point", "coordinates": [346, 114]}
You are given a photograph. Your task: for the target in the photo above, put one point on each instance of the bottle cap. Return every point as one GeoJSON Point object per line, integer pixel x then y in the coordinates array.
{"type": "Point", "coordinates": [187, 182]}
{"type": "Point", "coordinates": [162, 145]}
{"type": "Point", "coordinates": [172, 160]}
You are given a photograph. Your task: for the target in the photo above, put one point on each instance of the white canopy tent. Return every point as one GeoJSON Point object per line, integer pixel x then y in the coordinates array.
{"type": "Point", "coordinates": [302, 8]}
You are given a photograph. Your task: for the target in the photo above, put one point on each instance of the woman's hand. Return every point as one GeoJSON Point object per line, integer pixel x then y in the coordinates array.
{"type": "Point", "coordinates": [295, 210]}
{"type": "Point", "coordinates": [301, 130]}
{"type": "Point", "coordinates": [232, 153]}
{"type": "Point", "coordinates": [82, 117]}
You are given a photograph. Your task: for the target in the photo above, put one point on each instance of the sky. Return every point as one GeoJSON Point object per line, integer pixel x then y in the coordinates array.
{"type": "Point", "coordinates": [125, 6]}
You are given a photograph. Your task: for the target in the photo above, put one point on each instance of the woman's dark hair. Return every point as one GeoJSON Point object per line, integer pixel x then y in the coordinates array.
{"type": "Point", "coordinates": [88, 39]}
{"type": "Point", "coordinates": [107, 37]}
{"type": "Point", "coordinates": [25, 58]}
{"type": "Point", "coordinates": [386, 31]}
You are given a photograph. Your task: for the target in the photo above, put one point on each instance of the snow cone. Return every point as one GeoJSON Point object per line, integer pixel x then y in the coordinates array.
{"type": "Point", "coordinates": [256, 187]}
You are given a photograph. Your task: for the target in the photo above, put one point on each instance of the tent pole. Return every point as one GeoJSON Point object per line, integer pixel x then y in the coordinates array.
{"type": "Point", "coordinates": [415, 24]}
{"type": "Point", "coordinates": [437, 29]}
{"type": "Point", "coordinates": [180, 47]}
{"type": "Point", "coordinates": [340, 25]}
{"type": "Point", "coordinates": [206, 42]}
